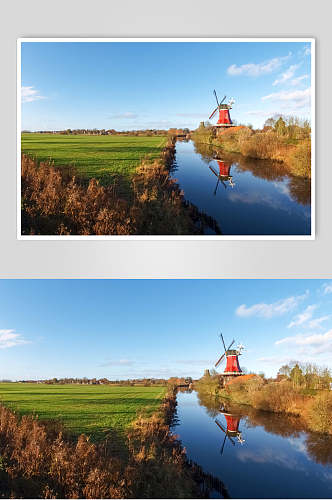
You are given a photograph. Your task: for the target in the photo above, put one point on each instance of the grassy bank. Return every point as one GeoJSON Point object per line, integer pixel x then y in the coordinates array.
{"type": "Point", "coordinates": [95, 410]}
{"type": "Point", "coordinates": [37, 461]}
{"type": "Point", "coordinates": [283, 396]}
{"type": "Point", "coordinates": [287, 142]}
{"type": "Point", "coordinates": [55, 202]}
{"type": "Point", "coordinates": [109, 159]}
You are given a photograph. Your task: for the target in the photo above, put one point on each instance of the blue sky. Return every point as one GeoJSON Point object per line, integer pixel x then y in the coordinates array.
{"type": "Point", "coordinates": [137, 328]}
{"type": "Point", "coordinates": [160, 85]}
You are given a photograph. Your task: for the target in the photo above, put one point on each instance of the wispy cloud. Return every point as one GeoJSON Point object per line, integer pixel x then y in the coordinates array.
{"type": "Point", "coordinates": [293, 98]}
{"type": "Point", "coordinates": [258, 69]}
{"type": "Point", "coordinates": [316, 323]}
{"type": "Point", "coordinates": [286, 75]}
{"type": "Point", "coordinates": [9, 338]}
{"type": "Point", "coordinates": [303, 317]}
{"type": "Point", "coordinates": [30, 94]}
{"type": "Point", "coordinates": [117, 362]}
{"type": "Point", "coordinates": [260, 112]}
{"type": "Point", "coordinates": [298, 79]}
{"type": "Point", "coordinates": [191, 115]}
{"type": "Point", "coordinates": [327, 288]}
{"type": "Point", "coordinates": [278, 308]}
{"type": "Point", "coordinates": [119, 116]}
{"type": "Point", "coordinates": [318, 343]}
{"type": "Point", "coordinates": [194, 362]}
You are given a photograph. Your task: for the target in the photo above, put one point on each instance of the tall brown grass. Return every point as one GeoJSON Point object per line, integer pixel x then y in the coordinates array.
{"type": "Point", "coordinates": [55, 203]}
{"type": "Point", "coordinates": [38, 461]}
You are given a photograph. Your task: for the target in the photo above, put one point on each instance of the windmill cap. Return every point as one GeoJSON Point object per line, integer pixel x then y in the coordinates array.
{"type": "Point", "coordinates": [231, 352]}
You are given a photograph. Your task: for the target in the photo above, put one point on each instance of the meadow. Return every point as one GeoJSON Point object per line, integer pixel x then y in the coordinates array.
{"type": "Point", "coordinates": [104, 157]}
{"type": "Point", "coordinates": [95, 410]}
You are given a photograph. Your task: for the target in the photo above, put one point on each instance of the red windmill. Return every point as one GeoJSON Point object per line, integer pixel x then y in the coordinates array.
{"type": "Point", "coordinates": [224, 116]}
{"type": "Point", "coordinates": [232, 361]}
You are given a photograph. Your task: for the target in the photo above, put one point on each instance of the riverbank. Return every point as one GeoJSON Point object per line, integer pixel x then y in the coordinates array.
{"type": "Point", "coordinates": [276, 397]}
{"type": "Point", "coordinates": [56, 202]}
{"type": "Point", "coordinates": [289, 144]}
{"type": "Point", "coordinates": [39, 460]}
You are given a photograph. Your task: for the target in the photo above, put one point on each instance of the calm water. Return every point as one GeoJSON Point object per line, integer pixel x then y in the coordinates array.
{"type": "Point", "coordinates": [272, 457]}
{"type": "Point", "coordinates": [244, 196]}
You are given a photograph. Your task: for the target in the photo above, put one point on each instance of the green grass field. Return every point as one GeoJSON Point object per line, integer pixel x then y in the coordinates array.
{"type": "Point", "coordinates": [95, 410]}
{"type": "Point", "coordinates": [105, 157]}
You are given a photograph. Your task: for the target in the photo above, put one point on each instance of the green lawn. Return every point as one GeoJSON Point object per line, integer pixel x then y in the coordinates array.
{"type": "Point", "coordinates": [90, 409]}
{"type": "Point", "coordinates": [104, 157]}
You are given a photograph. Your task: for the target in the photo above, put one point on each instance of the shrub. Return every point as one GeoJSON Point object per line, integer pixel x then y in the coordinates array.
{"type": "Point", "coordinates": [319, 412]}
{"type": "Point", "coordinates": [38, 461]}
{"type": "Point", "coordinates": [300, 159]}
{"type": "Point", "coordinates": [55, 203]}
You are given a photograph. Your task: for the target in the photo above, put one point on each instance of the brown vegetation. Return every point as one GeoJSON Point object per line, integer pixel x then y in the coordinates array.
{"type": "Point", "coordinates": [285, 140]}
{"type": "Point", "coordinates": [302, 390]}
{"type": "Point", "coordinates": [37, 460]}
{"type": "Point", "coordinates": [54, 203]}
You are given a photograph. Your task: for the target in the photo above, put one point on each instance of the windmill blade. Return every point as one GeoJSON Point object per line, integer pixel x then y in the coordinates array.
{"type": "Point", "coordinates": [223, 445]}
{"type": "Point", "coordinates": [216, 188]}
{"type": "Point", "coordinates": [215, 93]}
{"type": "Point", "coordinates": [213, 170]}
{"type": "Point", "coordinates": [213, 114]}
{"type": "Point", "coordinates": [223, 100]}
{"type": "Point", "coordinates": [231, 440]}
{"type": "Point", "coordinates": [220, 426]}
{"type": "Point", "coordinates": [222, 338]}
{"type": "Point", "coordinates": [230, 345]}
{"type": "Point", "coordinates": [219, 360]}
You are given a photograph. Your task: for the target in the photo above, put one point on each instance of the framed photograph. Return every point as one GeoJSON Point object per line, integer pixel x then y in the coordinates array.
{"type": "Point", "coordinates": [97, 403]}
{"type": "Point", "coordinates": [166, 138]}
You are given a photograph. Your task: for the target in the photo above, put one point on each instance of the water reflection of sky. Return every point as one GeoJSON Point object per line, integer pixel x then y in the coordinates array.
{"type": "Point", "coordinates": [261, 201]}
{"type": "Point", "coordinates": [267, 465]}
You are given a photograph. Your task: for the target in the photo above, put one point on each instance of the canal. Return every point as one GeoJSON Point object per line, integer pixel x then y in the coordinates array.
{"type": "Point", "coordinates": [255, 454]}
{"type": "Point", "coordinates": [243, 196]}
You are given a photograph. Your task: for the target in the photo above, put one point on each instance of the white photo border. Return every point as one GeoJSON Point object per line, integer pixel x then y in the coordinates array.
{"type": "Point", "coordinates": [312, 236]}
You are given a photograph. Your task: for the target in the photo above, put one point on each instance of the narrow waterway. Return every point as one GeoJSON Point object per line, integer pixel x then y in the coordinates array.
{"type": "Point", "coordinates": [255, 454]}
{"type": "Point", "coordinates": [243, 196]}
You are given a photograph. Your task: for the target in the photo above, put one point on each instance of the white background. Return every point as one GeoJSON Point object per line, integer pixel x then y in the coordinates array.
{"type": "Point", "coordinates": [136, 258]}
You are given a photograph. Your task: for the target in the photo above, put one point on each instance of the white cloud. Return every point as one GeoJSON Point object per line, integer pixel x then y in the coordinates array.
{"type": "Point", "coordinates": [316, 343]}
{"type": "Point", "coordinates": [8, 338]}
{"type": "Point", "coordinates": [191, 115]}
{"type": "Point", "coordinates": [258, 69]}
{"type": "Point", "coordinates": [30, 94]}
{"type": "Point", "coordinates": [286, 75]}
{"type": "Point", "coordinates": [290, 99]}
{"type": "Point", "coordinates": [193, 362]}
{"type": "Point", "coordinates": [316, 323]}
{"type": "Point", "coordinates": [303, 317]}
{"type": "Point", "coordinates": [297, 80]}
{"type": "Point", "coordinates": [327, 288]}
{"type": "Point", "coordinates": [126, 115]}
{"type": "Point", "coordinates": [260, 112]}
{"type": "Point", "coordinates": [117, 362]}
{"type": "Point", "coordinates": [269, 310]}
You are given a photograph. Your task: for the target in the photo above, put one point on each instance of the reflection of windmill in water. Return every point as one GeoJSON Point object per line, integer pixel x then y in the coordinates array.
{"type": "Point", "coordinates": [232, 432]}
{"type": "Point", "coordinates": [224, 174]}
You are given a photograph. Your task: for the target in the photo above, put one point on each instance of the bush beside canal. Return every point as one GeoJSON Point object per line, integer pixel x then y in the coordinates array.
{"type": "Point", "coordinates": [301, 394]}
{"type": "Point", "coordinates": [286, 140]}
{"type": "Point", "coordinates": [37, 460]}
{"type": "Point", "coordinates": [57, 203]}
